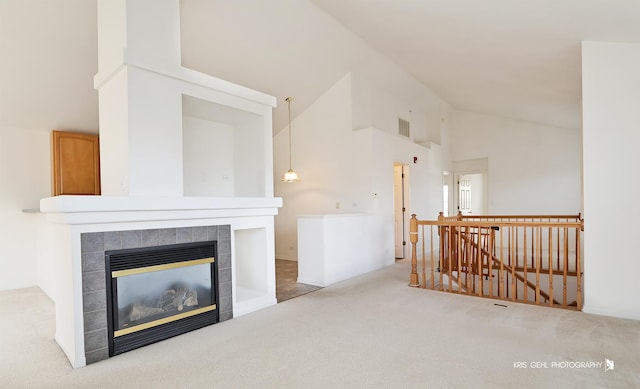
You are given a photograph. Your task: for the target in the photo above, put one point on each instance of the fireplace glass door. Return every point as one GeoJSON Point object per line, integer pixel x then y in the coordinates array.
{"type": "Point", "coordinates": [160, 292]}
{"type": "Point", "coordinates": [157, 295]}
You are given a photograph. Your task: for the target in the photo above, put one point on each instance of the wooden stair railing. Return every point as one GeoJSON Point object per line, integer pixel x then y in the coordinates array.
{"type": "Point", "coordinates": [474, 253]}
{"type": "Point", "coordinates": [529, 284]}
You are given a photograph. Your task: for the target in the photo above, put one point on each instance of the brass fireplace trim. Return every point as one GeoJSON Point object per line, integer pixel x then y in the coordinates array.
{"type": "Point", "coordinates": [148, 269]}
{"type": "Point", "coordinates": [158, 322]}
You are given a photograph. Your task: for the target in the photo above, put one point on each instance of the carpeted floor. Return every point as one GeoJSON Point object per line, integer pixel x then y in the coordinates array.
{"type": "Point", "coordinates": [368, 332]}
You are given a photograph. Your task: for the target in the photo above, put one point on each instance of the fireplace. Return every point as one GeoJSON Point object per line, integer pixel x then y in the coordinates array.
{"type": "Point", "coordinates": [163, 192]}
{"type": "Point", "coordinates": [154, 293]}
{"type": "Point", "coordinates": [137, 247]}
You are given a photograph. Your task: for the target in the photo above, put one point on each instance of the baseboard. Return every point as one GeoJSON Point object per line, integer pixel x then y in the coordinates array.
{"type": "Point", "coordinates": [622, 314]}
{"type": "Point", "coordinates": [310, 282]}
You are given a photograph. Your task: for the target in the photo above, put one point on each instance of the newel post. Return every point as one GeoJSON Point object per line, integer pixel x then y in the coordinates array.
{"type": "Point", "coordinates": [413, 237]}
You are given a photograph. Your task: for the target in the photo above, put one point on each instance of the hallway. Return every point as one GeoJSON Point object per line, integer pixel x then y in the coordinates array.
{"type": "Point", "coordinates": [286, 285]}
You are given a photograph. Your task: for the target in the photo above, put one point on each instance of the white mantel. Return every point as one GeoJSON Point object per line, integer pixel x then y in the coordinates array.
{"type": "Point", "coordinates": [76, 210]}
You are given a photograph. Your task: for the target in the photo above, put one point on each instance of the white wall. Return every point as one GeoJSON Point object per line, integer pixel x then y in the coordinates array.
{"type": "Point", "coordinates": [353, 170]}
{"type": "Point", "coordinates": [252, 152]}
{"type": "Point", "coordinates": [328, 160]}
{"type": "Point", "coordinates": [533, 168]}
{"type": "Point", "coordinates": [425, 176]}
{"type": "Point", "coordinates": [610, 85]}
{"type": "Point", "coordinates": [25, 178]}
{"type": "Point", "coordinates": [208, 167]}
{"type": "Point", "coordinates": [382, 93]}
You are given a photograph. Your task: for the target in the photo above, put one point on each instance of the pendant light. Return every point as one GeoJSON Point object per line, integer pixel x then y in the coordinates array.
{"type": "Point", "coordinates": [290, 175]}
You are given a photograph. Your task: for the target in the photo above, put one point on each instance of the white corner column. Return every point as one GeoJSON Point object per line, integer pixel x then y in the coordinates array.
{"type": "Point", "coordinates": [610, 138]}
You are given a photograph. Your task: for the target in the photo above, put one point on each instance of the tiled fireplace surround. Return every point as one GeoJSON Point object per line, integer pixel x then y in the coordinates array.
{"type": "Point", "coordinates": [94, 299]}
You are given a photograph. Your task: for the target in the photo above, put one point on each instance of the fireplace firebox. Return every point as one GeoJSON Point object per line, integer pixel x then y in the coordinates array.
{"type": "Point", "coordinates": [155, 293]}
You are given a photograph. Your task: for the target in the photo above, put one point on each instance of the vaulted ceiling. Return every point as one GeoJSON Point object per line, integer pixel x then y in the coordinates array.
{"type": "Point", "coordinates": [513, 58]}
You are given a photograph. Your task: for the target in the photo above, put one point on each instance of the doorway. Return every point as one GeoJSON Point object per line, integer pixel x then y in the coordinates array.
{"type": "Point", "coordinates": [400, 207]}
{"type": "Point", "coordinates": [471, 193]}
{"type": "Point", "coordinates": [447, 193]}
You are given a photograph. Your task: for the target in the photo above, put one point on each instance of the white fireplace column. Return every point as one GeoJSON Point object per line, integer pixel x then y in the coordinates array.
{"type": "Point", "coordinates": [149, 104]}
{"type": "Point", "coordinates": [140, 106]}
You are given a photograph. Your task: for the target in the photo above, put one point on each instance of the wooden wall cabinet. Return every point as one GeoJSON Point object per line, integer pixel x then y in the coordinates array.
{"type": "Point", "coordinates": [76, 163]}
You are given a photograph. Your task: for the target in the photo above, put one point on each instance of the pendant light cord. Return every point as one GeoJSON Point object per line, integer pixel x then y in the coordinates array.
{"type": "Point", "coordinates": [288, 99]}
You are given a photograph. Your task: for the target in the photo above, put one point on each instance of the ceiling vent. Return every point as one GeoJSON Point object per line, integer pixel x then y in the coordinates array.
{"type": "Point", "coordinates": [404, 128]}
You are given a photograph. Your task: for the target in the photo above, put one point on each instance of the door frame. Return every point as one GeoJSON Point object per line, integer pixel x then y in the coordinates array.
{"type": "Point", "coordinates": [471, 166]}
{"type": "Point", "coordinates": [405, 189]}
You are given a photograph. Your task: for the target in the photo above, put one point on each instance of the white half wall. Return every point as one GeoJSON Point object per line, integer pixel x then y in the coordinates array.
{"type": "Point", "coordinates": [533, 168]}
{"type": "Point", "coordinates": [610, 85]}
{"type": "Point", "coordinates": [337, 247]}
{"type": "Point", "coordinates": [25, 177]}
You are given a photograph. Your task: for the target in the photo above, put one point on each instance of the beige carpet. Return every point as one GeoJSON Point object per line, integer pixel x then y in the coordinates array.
{"type": "Point", "coordinates": [368, 332]}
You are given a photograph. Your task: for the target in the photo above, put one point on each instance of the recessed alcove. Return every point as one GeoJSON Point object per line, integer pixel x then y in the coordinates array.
{"type": "Point", "coordinates": [250, 268]}
{"type": "Point", "coordinates": [223, 150]}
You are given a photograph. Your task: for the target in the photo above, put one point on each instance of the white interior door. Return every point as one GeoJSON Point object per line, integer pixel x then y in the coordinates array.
{"type": "Point", "coordinates": [472, 194]}
{"type": "Point", "coordinates": [464, 194]}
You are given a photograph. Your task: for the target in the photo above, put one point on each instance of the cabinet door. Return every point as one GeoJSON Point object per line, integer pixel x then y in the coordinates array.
{"type": "Point", "coordinates": [76, 164]}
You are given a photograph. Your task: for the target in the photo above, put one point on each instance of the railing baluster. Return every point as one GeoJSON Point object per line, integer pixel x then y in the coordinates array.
{"type": "Point", "coordinates": [509, 287]}
{"type": "Point", "coordinates": [532, 247]}
{"type": "Point", "coordinates": [501, 274]}
{"type": "Point", "coordinates": [490, 260]}
{"type": "Point", "coordinates": [441, 248]}
{"type": "Point", "coordinates": [424, 260]}
{"type": "Point", "coordinates": [470, 258]}
{"type": "Point", "coordinates": [525, 264]}
{"type": "Point", "coordinates": [517, 256]}
{"type": "Point", "coordinates": [538, 260]}
{"type": "Point", "coordinates": [558, 248]}
{"type": "Point", "coordinates": [431, 253]}
{"type": "Point", "coordinates": [451, 251]}
{"type": "Point", "coordinates": [566, 266]}
{"type": "Point", "coordinates": [514, 283]}
{"type": "Point", "coordinates": [433, 278]}
{"type": "Point", "coordinates": [479, 263]}
{"type": "Point", "coordinates": [550, 266]}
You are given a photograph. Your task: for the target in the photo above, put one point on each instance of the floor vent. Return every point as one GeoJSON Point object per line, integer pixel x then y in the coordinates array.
{"type": "Point", "coordinates": [404, 128]}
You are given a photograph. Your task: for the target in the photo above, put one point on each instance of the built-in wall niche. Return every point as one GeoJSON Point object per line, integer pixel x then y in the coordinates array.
{"type": "Point", "coordinates": [223, 150]}
{"type": "Point", "coordinates": [251, 268]}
